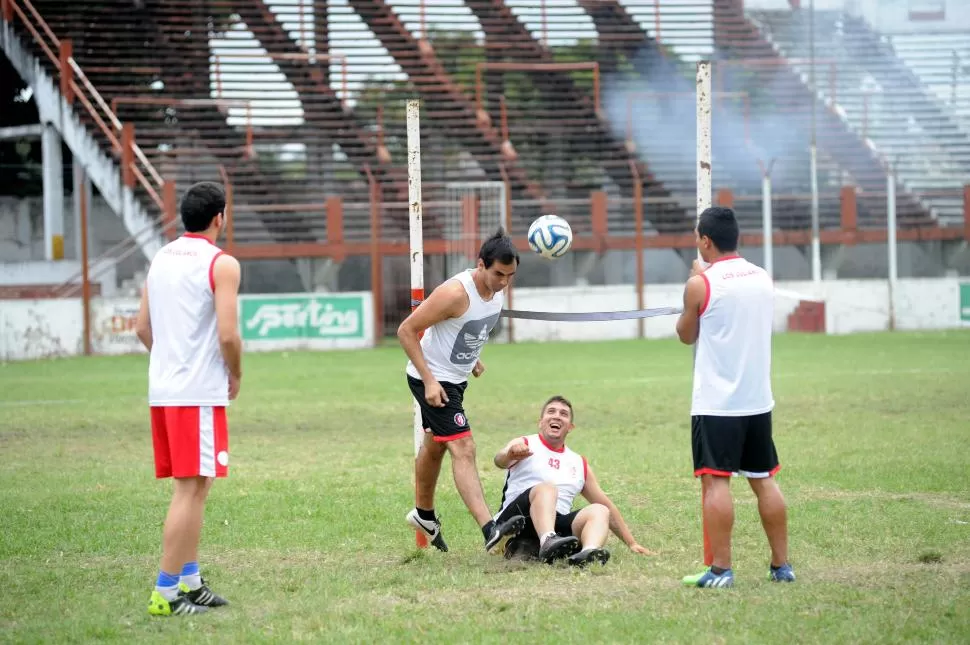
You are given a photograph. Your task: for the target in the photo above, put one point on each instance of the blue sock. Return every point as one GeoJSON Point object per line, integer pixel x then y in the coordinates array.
{"type": "Point", "coordinates": [167, 585]}
{"type": "Point", "coordinates": [190, 575]}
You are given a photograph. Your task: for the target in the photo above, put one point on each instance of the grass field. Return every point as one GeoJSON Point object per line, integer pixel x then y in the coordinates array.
{"type": "Point", "coordinates": [306, 537]}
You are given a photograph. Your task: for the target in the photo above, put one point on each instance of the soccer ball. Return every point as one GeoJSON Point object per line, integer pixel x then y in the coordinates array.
{"type": "Point", "coordinates": [550, 236]}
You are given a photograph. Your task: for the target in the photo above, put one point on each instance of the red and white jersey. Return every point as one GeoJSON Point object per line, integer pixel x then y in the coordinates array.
{"type": "Point", "coordinates": [732, 368]}
{"type": "Point", "coordinates": [186, 367]}
{"type": "Point", "coordinates": [563, 467]}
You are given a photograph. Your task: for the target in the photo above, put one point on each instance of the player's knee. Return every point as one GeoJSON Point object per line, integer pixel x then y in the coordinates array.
{"type": "Point", "coordinates": [462, 449]}
{"type": "Point", "coordinates": [193, 487]}
{"type": "Point", "coordinates": [599, 512]}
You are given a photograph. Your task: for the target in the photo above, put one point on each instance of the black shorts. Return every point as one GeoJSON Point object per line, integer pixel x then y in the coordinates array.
{"type": "Point", "coordinates": [526, 543]}
{"type": "Point", "coordinates": [730, 445]}
{"type": "Point", "coordinates": [449, 422]}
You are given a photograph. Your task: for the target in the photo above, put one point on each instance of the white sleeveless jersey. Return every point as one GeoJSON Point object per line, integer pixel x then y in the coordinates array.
{"type": "Point", "coordinates": [451, 347]}
{"type": "Point", "coordinates": [732, 369]}
{"type": "Point", "coordinates": [186, 367]}
{"type": "Point", "coordinates": [564, 468]}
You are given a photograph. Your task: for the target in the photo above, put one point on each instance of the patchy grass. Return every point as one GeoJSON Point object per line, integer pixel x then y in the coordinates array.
{"type": "Point", "coordinates": [306, 537]}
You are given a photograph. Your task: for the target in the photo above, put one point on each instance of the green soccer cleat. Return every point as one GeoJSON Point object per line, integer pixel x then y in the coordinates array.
{"type": "Point", "coordinates": [181, 606]}
{"type": "Point", "coordinates": [691, 581]}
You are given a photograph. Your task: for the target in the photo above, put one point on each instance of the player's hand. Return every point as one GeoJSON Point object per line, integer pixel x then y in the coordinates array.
{"type": "Point", "coordinates": [479, 369]}
{"type": "Point", "coordinates": [698, 267]}
{"type": "Point", "coordinates": [636, 548]}
{"type": "Point", "coordinates": [234, 384]}
{"type": "Point", "coordinates": [519, 451]}
{"type": "Point", "coordinates": [435, 395]}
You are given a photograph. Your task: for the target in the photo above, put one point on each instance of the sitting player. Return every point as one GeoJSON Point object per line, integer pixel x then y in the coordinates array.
{"type": "Point", "coordinates": [544, 477]}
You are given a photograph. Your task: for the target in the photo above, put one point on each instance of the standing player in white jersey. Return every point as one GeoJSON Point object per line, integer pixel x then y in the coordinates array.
{"type": "Point", "coordinates": [457, 318]}
{"type": "Point", "coordinates": [188, 323]}
{"type": "Point", "coordinates": [728, 312]}
{"type": "Point", "coordinates": [544, 477]}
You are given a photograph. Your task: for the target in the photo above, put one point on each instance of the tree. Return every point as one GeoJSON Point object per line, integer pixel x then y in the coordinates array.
{"type": "Point", "coordinates": [21, 164]}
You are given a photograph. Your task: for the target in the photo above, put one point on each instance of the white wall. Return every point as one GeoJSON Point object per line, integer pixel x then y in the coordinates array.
{"type": "Point", "coordinates": [850, 306]}
{"type": "Point", "coordinates": [31, 329]}
{"type": "Point", "coordinates": [928, 304]}
{"type": "Point", "coordinates": [42, 272]}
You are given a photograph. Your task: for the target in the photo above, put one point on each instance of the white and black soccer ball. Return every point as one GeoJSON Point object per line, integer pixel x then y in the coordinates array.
{"type": "Point", "coordinates": [550, 236]}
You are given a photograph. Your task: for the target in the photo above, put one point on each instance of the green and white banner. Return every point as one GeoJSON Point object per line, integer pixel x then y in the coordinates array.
{"type": "Point", "coordinates": [307, 321]}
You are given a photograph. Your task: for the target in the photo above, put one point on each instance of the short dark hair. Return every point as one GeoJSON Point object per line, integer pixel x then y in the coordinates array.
{"type": "Point", "coordinates": [498, 247]}
{"type": "Point", "coordinates": [558, 398]}
{"type": "Point", "coordinates": [720, 224]}
{"type": "Point", "coordinates": [200, 205]}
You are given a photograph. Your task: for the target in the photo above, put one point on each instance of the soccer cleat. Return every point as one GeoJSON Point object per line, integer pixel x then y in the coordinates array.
{"type": "Point", "coordinates": [586, 556]}
{"type": "Point", "coordinates": [691, 581]}
{"type": "Point", "coordinates": [181, 606]}
{"type": "Point", "coordinates": [202, 596]}
{"type": "Point", "coordinates": [522, 548]}
{"type": "Point", "coordinates": [557, 547]}
{"type": "Point", "coordinates": [783, 573]}
{"type": "Point", "coordinates": [432, 530]}
{"type": "Point", "coordinates": [502, 533]}
{"type": "Point", "coordinates": [711, 580]}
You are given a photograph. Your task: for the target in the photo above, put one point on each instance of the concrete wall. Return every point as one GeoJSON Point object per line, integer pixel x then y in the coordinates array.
{"type": "Point", "coordinates": [22, 244]}
{"type": "Point", "coordinates": [850, 306]}
{"type": "Point", "coordinates": [31, 329]}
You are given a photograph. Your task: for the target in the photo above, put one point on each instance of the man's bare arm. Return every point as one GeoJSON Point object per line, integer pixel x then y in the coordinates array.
{"type": "Point", "coordinates": [695, 292]}
{"type": "Point", "coordinates": [447, 301]}
{"type": "Point", "coordinates": [595, 495]}
{"type": "Point", "coordinates": [143, 324]}
{"type": "Point", "coordinates": [226, 277]}
{"type": "Point", "coordinates": [513, 452]}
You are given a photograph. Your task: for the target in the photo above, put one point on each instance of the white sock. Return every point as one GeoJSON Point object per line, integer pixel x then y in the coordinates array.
{"type": "Point", "coordinates": [167, 585]}
{"type": "Point", "coordinates": [193, 581]}
{"type": "Point", "coordinates": [542, 540]}
{"type": "Point", "coordinates": [168, 593]}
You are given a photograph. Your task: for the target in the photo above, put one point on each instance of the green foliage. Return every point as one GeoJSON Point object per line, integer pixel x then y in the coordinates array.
{"type": "Point", "coordinates": [21, 169]}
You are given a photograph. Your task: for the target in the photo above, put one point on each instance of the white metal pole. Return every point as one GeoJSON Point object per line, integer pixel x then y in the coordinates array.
{"type": "Point", "coordinates": [766, 224]}
{"type": "Point", "coordinates": [891, 242]}
{"type": "Point", "coordinates": [417, 250]}
{"type": "Point", "coordinates": [813, 152]}
{"type": "Point", "coordinates": [816, 241]}
{"type": "Point", "coordinates": [703, 136]}
{"type": "Point", "coordinates": [704, 100]}
{"type": "Point", "coordinates": [416, 238]}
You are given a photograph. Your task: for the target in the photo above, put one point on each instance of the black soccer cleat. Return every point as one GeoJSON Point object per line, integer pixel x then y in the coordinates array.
{"type": "Point", "coordinates": [502, 533]}
{"type": "Point", "coordinates": [557, 547]}
{"type": "Point", "coordinates": [181, 606]}
{"type": "Point", "coordinates": [202, 596]}
{"type": "Point", "coordinates": [522, 547]}
{"type": "Point", "coordinates": [587, 556]}
{"type": "Point", "coordinates": [431, 530]}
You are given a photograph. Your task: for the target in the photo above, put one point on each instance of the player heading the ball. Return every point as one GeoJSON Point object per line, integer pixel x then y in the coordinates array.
{"type": "Point", "coordinates": [456, 320]}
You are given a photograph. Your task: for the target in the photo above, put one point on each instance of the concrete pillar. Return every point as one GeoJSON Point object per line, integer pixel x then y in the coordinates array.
{"type": "Point", "coordinates": [53, 194]}
{"type": "Point", "coordinates": [82, 182]}
{"type": "Point", "coordinates": [24, 232]}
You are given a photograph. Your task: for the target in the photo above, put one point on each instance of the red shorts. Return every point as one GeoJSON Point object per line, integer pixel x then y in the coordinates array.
{"type": "Point", "coordinates": [190, 441]}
